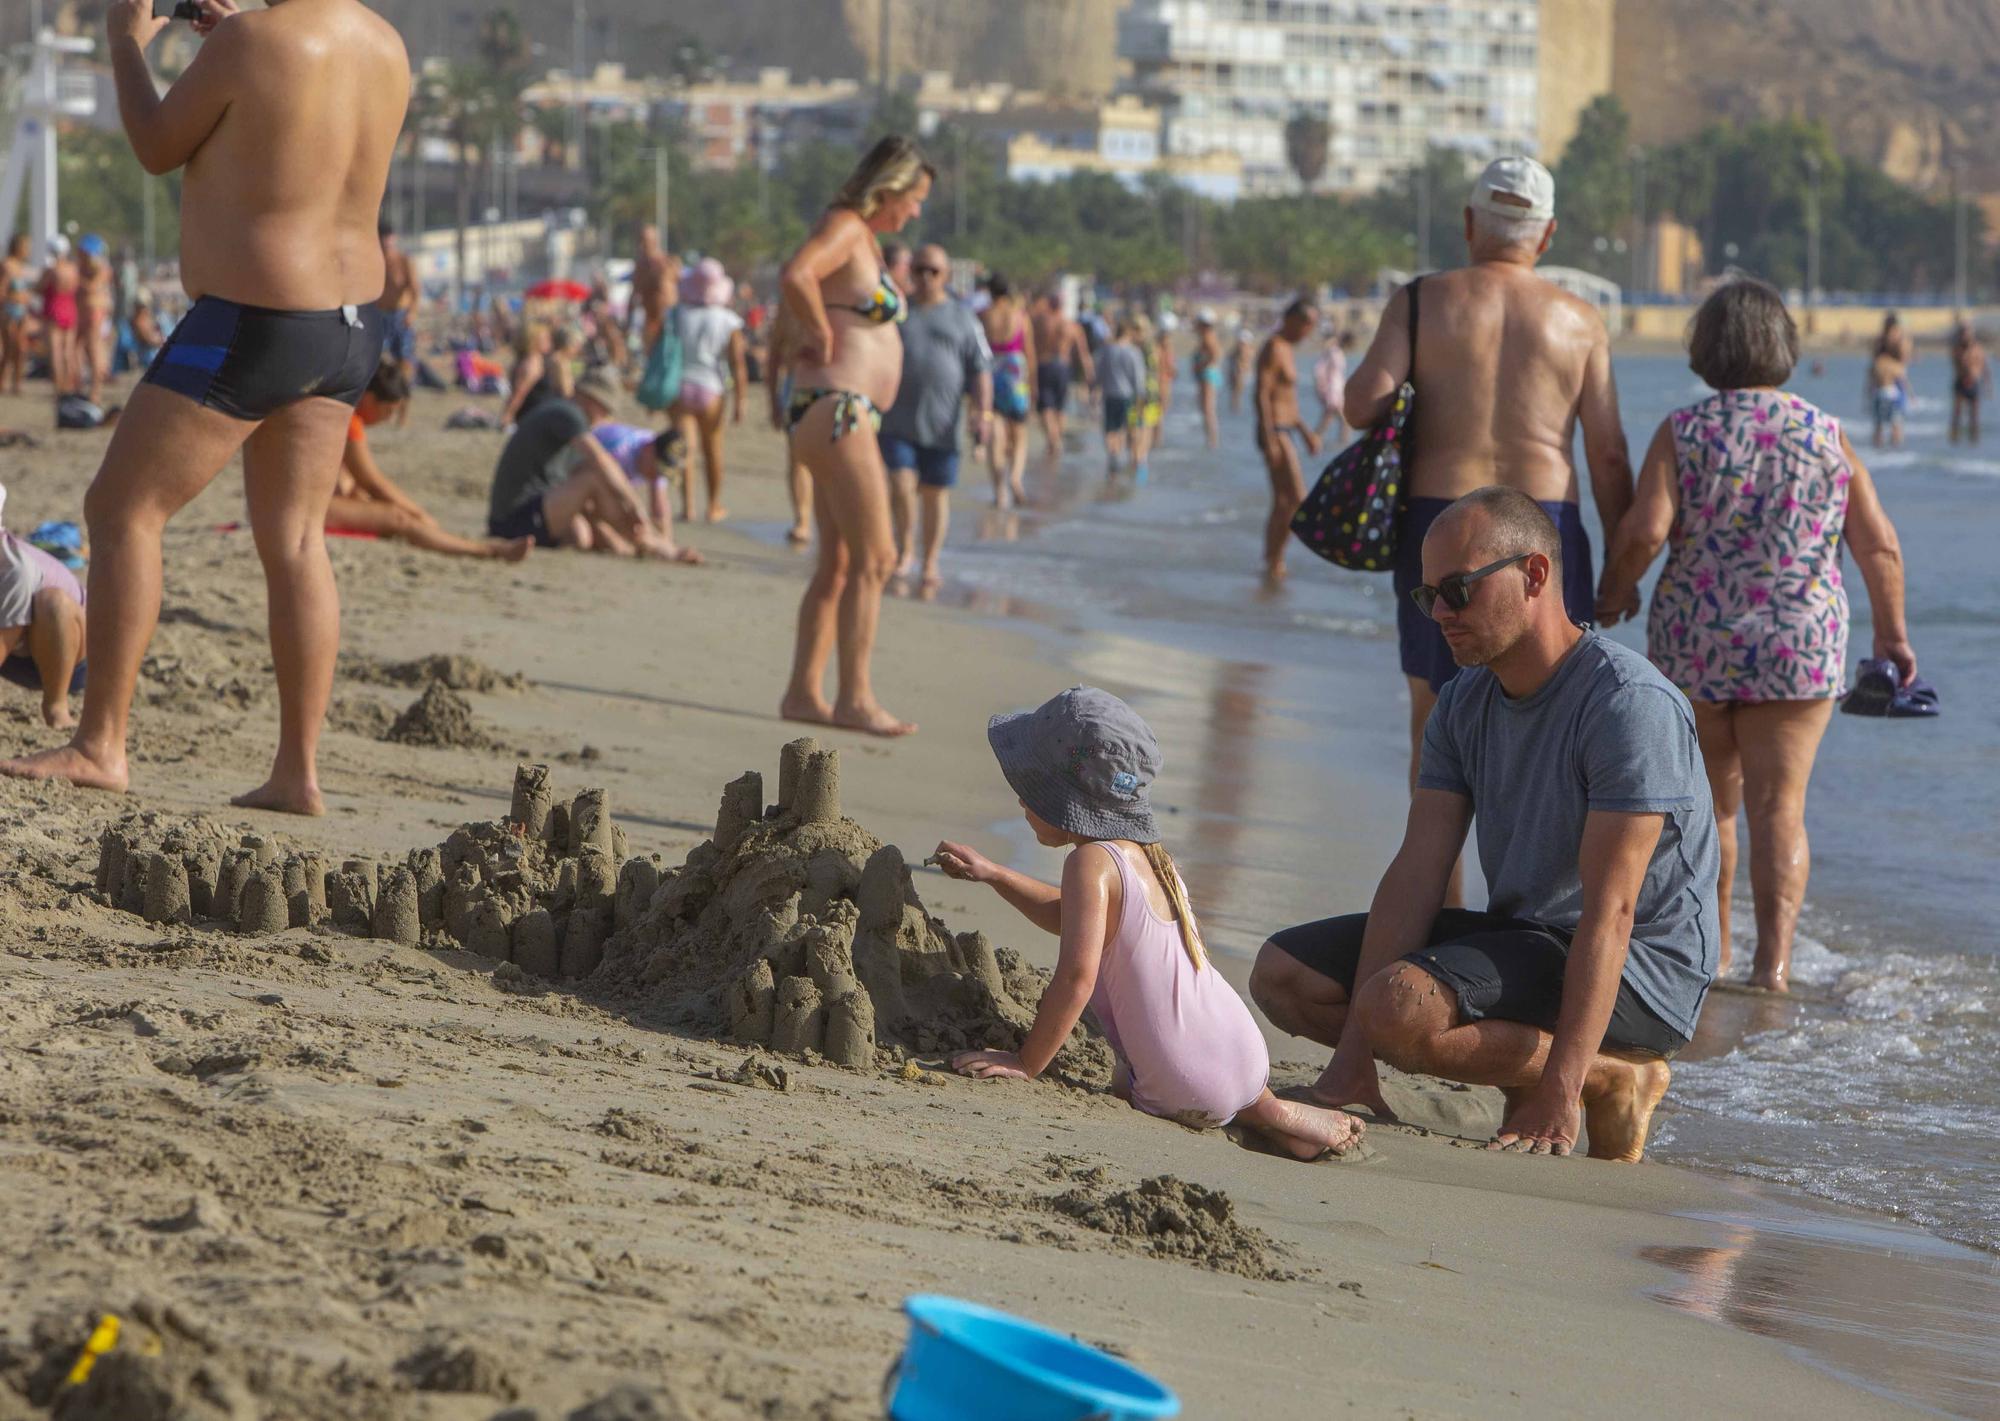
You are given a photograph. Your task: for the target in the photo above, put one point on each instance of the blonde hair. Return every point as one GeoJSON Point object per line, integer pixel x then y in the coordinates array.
{"type": "Point", "coordinates": [529, 336]}
{"type": "Point", "coordinates": [1177, 899]}
{"type": "Point", "coordinates": [892, 167]}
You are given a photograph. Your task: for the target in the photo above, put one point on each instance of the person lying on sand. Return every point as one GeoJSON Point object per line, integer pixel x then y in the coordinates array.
{"type": "Point", "coordinates": [1588, 969]}
{"type": "Point", "coordinates": [1187, 1047]}
{"type": "Point", "coordinates": [558, 486]}
{"type": "Point", "coordinates": [41, 623]}
{"type": "Point", "coordinates": [367, 501]}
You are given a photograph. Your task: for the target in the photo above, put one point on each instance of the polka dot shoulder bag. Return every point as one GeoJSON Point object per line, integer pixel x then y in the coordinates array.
{"type": "Point", "coordinates": [1350, 518]}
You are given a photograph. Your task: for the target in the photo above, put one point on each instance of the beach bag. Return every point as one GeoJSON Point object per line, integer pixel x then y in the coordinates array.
{"type": "Point", "coordinates": [1350, 518]}
{"type": "Point", "coordinates": [660, 386]}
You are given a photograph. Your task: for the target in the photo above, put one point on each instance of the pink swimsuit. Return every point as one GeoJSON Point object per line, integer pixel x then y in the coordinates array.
{"type": "Point", "coordinates": [1194, 1052]}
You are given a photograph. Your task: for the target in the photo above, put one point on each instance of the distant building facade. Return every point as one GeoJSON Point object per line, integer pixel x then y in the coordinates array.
{"type": "Point", "coordinates": [1121, 138]}
{"type": "Point", "coordinates": [1387, 78]}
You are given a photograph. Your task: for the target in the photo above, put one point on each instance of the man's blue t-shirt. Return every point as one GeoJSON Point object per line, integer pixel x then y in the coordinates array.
{"type": "Point", "coordinates": [1608, 732]}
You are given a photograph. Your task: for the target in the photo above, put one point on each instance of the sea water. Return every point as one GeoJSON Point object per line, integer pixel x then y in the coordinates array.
{"type": "Point", "coordinates": [1283, 717]}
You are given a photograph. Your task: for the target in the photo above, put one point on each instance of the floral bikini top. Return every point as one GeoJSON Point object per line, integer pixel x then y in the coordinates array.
{"type": "Point", "coordinates": [884, 306]}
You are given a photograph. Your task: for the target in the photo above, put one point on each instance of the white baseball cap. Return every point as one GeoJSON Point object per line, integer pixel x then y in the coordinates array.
{"type": "Point", "coordinates": [1518, 188]}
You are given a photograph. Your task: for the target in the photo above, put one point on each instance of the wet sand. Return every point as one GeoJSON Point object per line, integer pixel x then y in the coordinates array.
{"type": "Point", "coordinates": [337, 1177]}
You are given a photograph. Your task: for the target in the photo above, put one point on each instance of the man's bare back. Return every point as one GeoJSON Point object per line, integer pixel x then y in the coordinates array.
{"type": "Point", "coordinates": [279, 204]}
{"type": "Point", "coordinates": [1507, 365]}
{"type": "Point", "coordinates": [1056, 335]}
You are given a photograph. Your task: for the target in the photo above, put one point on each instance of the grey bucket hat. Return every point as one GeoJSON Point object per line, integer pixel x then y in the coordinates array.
{"type": "Point", "coordinates": [1083, 761]}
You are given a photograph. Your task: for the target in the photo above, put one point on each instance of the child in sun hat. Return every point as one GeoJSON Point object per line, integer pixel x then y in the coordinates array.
{"type": "Point", "coordinates": [1131, 950]}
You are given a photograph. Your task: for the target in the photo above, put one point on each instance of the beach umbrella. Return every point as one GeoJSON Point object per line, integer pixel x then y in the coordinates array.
{"type": "Point", "coordinates": [558, 290]}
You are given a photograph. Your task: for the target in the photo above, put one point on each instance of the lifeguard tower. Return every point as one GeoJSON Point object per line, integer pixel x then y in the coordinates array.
{"type": "Point", "coordinates": [47, 94]}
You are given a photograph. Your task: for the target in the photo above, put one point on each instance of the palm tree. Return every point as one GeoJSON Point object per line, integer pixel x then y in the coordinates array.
{"type": "Point", "coordinates": [1307, 137]}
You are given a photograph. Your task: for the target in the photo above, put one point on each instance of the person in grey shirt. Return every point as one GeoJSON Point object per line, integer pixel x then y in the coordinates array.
{"type": "Point", "coordinates": [1589, 967]}
{"type": "Point", "coordinates": [1121, 380]}
{"type": "Point", "coordinates": [945, 362]}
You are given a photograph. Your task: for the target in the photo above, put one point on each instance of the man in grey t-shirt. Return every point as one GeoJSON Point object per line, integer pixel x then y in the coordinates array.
{"type": "Point", "coordinates": [1588, 968]}
{"type": "Point", "coordinates": [945, 362]}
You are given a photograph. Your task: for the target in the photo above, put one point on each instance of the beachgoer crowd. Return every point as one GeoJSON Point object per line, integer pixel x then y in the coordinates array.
{"type": "Point", "coordinates": [1599, 787]}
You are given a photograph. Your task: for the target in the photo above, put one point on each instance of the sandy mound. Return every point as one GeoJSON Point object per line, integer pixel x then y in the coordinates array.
{"type": "Point", "coordinates": [442, 719]}
{"type": "Point", "coordinates": [1171, 1218]}
{"type": "Point", "coordinates": [460, 673]}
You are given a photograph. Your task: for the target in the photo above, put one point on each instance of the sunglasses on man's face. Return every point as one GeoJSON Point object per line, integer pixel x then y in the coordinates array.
{"type": "Point", "coordinates": [1456, 591]}
{"type": "Point", "coordinates": [928, 270]}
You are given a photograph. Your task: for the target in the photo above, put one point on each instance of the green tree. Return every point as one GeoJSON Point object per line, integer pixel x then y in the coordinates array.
{"type": "Point", "coordinates": [1594, 188]}
{"type": "Point", "coordinates": [1306, 138]}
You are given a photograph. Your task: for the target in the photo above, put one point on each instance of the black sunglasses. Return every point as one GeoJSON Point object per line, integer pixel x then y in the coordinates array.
{"type": "Point", "coordinates": [928, 270]}
{"type": "Point", "coordinates": [1456, 591]}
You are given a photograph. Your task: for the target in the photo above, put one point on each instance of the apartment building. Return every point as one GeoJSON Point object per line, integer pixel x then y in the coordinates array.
{"type": "Point", "coordinates": [1387, 77]}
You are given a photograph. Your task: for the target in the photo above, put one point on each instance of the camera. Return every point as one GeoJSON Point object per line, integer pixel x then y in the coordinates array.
{"type": "Point", "coordinates": [177, 9]}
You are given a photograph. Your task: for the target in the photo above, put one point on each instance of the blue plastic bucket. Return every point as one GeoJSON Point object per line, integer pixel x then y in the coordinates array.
{"type": "Point", "coordinates": [965, 1362]}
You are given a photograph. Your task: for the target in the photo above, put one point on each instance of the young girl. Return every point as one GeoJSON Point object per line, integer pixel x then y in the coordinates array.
{"type": "Point", "coordinates": [1131, 950]}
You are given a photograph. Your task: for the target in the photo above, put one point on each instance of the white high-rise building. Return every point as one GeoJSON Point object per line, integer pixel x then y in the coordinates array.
{"type": "Point", "coordinates": [1389, 78]}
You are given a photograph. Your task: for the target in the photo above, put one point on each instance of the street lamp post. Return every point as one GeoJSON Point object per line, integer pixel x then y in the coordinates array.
{"type": "Point", "coordinates": [577, 126]}
{"type": "Point", "coordinates": [1639, 242]}
{"type": "Point", "coordinates": [1812, 236]}
{"type": "Point", "coordinates": [1958, 238]}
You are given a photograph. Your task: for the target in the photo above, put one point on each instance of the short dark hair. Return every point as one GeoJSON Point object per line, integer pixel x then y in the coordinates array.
{"type": "Point", "coordinates": [1743, 337]}
{"type": "Point", "coordinates": [998, 286]}
{"type": "Point", "coordinates": [389, 384]}
{"type": "Point", "coordinates": [1515, 523]}
{"type": "Point", "coordinates": [1302, 306]}
{"type": "Point", "coordinates": [385, 229]}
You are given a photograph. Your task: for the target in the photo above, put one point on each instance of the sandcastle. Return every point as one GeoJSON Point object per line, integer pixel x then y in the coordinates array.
{"type": "Point", "coordinates": [792, 927]}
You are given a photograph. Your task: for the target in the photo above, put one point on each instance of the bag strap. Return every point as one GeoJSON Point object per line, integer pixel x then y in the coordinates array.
{"type": "Point", "coordinates": [1412, 289]}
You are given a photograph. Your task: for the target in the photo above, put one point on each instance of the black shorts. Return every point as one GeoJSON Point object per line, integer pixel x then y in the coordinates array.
{"type": "Point", "coordinates": [1052, 385]}
{"type": "Point", "coordinates": [249, 362]}
{"type": "Point", "coordinates": [527, 520]}
{"type": "Point", "coordinates": [1508, 969]}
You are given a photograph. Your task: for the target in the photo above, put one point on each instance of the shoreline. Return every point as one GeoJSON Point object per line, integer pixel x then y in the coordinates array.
{"type": "Point", "coordinates": [346, 1207]}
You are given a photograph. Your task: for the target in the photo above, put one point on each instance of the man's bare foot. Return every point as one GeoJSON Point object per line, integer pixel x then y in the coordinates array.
{"type": "Point", "coordinates": [1767, 979]}
{"type": "Point", "coordinates": [933, 580]}
{"type": "Point", "coordinates": [56, 715]}
{"type": "Point", "coordinates": [1275, 574]}
{"type": "Point", "coordinates": [513, 550]}
{"type": "Point", "coordinates": [800, 536]}
{"type": "Point", "coordinates": [1020, 492]}
{"type": "Point", "coordinates": [717, 513]}
{"type": "Point", "coordinates": [808, 709]}
{"type": "Point", "coordinates": [872, 720]}
{"type": "Point", "coordinates": [71, 764]}
{"type": "Point", "coordinates": [302, 800]}
{"type": "Point", "coordinates": [667, 552]}
{"type": "Point", "coordinates": [1620, 1116]}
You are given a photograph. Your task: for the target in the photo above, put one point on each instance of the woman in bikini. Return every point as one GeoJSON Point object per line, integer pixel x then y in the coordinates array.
{"type": "Point", "coordinates": [848, 365]}
{"type": "Point", "coordinates": [1012, 337]}
{"type": "Point", "coordinates": [17, 285]}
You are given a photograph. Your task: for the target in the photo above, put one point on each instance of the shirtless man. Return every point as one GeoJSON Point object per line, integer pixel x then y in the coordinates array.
{"type": "Point", "coordinates": [1508, 365]}
{"type": "Point", "coordinates": [656, 284]}
{"type": "Point", "coordinates": [1971, 377]}
{"type": "Point", "coordinates": [1278, 425]}
{"type": "Point", "coordinates": [93, 315]}
{"type": "Point", "coordinates": [1061, 344]}
{"type": "Point", "coordinates": [399, 310]}
{"type": "Point", "coordinates": [284, 123]}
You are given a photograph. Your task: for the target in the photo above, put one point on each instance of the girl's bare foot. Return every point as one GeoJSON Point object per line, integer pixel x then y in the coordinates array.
{"type": "Point", "coordinates": [808, 709]}
{"type": "Point", "coordinates": [1303, 1131]}
{"type": "Point", "coordinates": [872, 720]}
{"type": "Point", "coordinates": [71, 764]}
{"type": "Point", "coordinates": [301, 799]}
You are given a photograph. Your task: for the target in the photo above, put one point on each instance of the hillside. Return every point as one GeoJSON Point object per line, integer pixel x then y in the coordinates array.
{"type": "Point", "coordinates": [1907, 84]}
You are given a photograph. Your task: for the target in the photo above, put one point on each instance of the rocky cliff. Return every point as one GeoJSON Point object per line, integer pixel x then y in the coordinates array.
{"type": "Point", "coordinates": [1913, 85]}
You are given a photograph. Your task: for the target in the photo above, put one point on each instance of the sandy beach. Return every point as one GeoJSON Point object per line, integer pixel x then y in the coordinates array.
{"type": "Point", "coordinates": [321, 1175]}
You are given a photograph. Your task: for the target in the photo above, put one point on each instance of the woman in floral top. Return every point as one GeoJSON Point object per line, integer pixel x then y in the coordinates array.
{"type": "Point", "coordinates": [1753, 490]}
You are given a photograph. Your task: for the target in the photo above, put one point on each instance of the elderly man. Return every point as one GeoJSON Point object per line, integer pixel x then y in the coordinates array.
{"type": "Point", "coordinates": [285, 123]}
{"type": "Point", "coordinates": [1507, 365]}
{"type": "Point", "coordinates": [1589, 966]}
{"type": "Point", "coordinates": [945, 362]}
